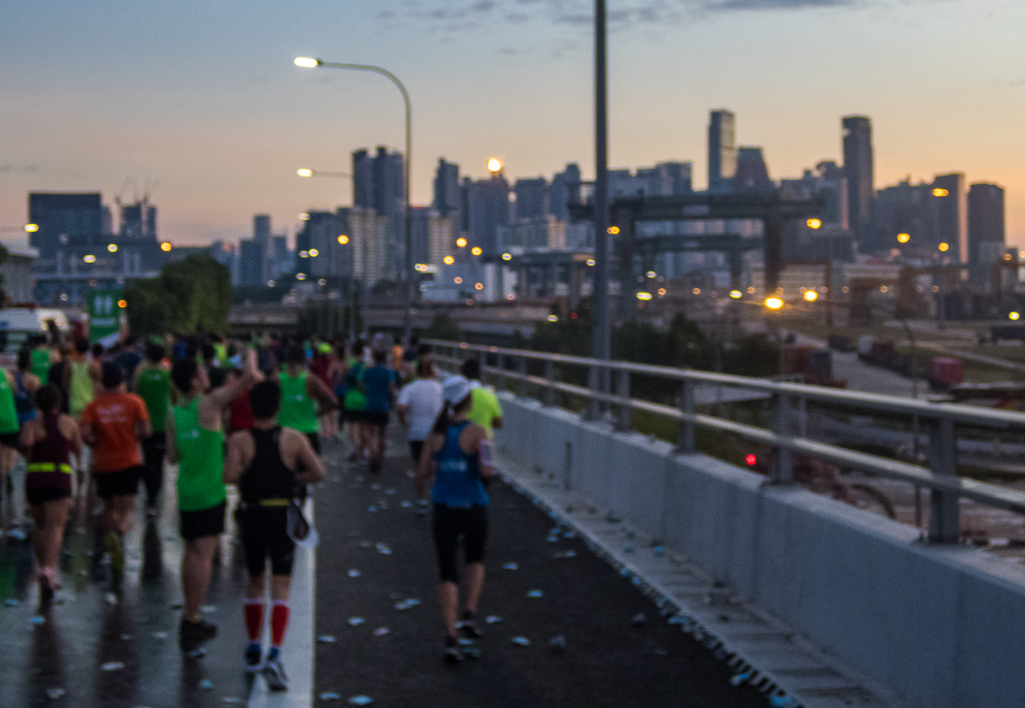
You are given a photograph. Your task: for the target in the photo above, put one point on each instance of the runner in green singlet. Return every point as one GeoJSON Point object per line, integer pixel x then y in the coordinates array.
{"type": "Point", "coordinates": [300, 394]}
{"type": "Point", "coordinates": [195, 440]}
{"type": "Point", "coordinates": [41, 360]}
{"type": "Point", "coordinates": [81, 376]}
{"type": "Point", "coordinates": [9, 427]}
{"type": "Point", "coordinates": [153, 384]}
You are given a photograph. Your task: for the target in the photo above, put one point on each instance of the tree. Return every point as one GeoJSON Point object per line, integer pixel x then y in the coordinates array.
{"type": "Point", "coordinates": [190, 295]}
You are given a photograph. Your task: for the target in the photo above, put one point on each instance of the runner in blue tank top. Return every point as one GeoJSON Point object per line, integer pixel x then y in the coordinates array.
{"type": "Point", "coordinates": [457, 455]}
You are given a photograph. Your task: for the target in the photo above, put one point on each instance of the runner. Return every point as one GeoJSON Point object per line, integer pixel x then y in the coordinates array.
{"type": "Point", "coordinates": [153, 384]}
{"type": "Point", "coordinates": [355, 402]}
{"type": "Point", "coordinates": [41, 359]}
{"type": "Point", "coordinates": [195, 440]}
{"type": "Point", "coordinates": [457, 455]}
{"type": "Point", "coordinates": [240, 413]}
{"type": "Point", "coordinates": [320, 367]}
{"type": "Point", "coordinates": [418, 407]}
{"type": "Point", "coordinates": [486, 409]}
{"type": "Point", "coordinates": [379, 390]}
{"type": "Point", "coordinates": [112, 425]}
{"type": "Point", "coordinates": [81, 377]}
{"type": "Point", "coordinates": [267, 463]}
{"type": "Point", "coordinates": [9, 431]}
{"type": "Point", "coordinates": [300, 394]}
{"type": "Point", "coordinates": [25, 386]}
{"type": "Point", "coordinates": [49, 441]}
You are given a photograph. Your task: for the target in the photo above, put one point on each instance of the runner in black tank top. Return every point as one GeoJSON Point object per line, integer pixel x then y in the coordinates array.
{"type": "Point", "coordinates": [263, 462]}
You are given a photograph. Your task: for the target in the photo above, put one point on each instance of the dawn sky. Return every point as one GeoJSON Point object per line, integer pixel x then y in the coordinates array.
{"type": "Point", "coordinates": [202, 100]}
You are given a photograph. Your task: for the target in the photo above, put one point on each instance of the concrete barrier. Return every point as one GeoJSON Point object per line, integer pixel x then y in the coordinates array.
{"type": "Point", "coordinates": [940, 626]}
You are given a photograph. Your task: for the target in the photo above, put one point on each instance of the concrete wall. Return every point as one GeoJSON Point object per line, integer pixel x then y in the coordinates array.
{"type": "Point", "coordinates": [943, 627]}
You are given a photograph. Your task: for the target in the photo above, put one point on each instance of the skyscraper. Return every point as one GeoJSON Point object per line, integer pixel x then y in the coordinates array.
{"type": "Point", "coordinates": [858, 168]}
{"type": "Point", "coordinates": [951, 199]}
{"type": "Point", "coordinates": [70, 215]}
{"type": "Point", "coordinates": [488, 208]}
{"type": "Point", "coordinates": [986, 229]}
{"type": "Point", "coordinates": [261, 234]}
{"type": "Point", "coordinates": [722, 151]}
{"type": "Point", "coordinates": [531, 198]}
{"type": "Point", "coordinates": [446, 191]}
{"type": "Point", "coordinates": [378, 184]}
{"type": "Point", "coordinates": [752, 174]}
{"type": "Point", "coordinates": [564, 191]}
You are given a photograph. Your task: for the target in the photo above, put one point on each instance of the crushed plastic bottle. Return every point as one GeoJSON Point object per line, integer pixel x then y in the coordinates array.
{"type": "Point", "coordinates": [354, 573]}
{"type": "Point", "coordinates": [11, 602]}
{"type": "Point", "coordinates": [112, 666]}
{"type": "Point", "coordinates": [381, 631]}
{"type": "Point", "coordinates": [360, 701]}
{"type": "Point", "coordinates": [329, 696]}
{"type": "Point", "coordinates": [55, 693]}
{"type": "Point", "coordinates": [206, 685]}
{"type": "Point", "coordinates": [535, 594]}
{"type": "Point", "coordinates": [492, 619]}
{"type": "Point", "coordinates": [37, 619]}
{"type": "Point", "coordinates": [511, 566]}
{"type": "Point", "coordinates": [639, 620]}
{"type": "Point", "coordinates": [356, 621]}
{"type": "Point", "coordinates": [521, 641]}
{"type": "Point", "coordinates": [326, 639]}
{"type": "Point", "coordinates": [740, 678]}
{"type": "Point", "coordinates": [384, 549]}
{"type": "Point", "coordinates": [558, 644]}
{"type": "Point", "coordinates": [159, 635]}
{"type": "Point", "coordinates": [406, 604]}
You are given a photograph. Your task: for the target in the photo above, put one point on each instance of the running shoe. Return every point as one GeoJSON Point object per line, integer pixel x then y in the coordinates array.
{"type": "Point", "coordinates": [469, 628]}
{"type": "Point", "coordinates": [452, 654]}
{"type": "Point", "coordinates": [254, 657]}
{"type": "Point", "coordinates": [191, 634]}
{"type": "Point", "coordinates": [274, 673]}
{"type": "Point", "coordinates": [46, 590]}
{"type": "Point", "coordinates": [112, 544]}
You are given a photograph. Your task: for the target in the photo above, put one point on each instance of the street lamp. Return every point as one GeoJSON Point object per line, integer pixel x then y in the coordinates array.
{"type": "Point", "coordinates": [307, 172]}
{"type": "Point", "coordinates": [311, 63]}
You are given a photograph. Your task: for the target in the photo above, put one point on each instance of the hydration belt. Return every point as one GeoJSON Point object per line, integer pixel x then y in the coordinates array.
{"type": "Point", "coordinates": [279, 503]}
{"type": "Point", "coordinates": [48, 467]}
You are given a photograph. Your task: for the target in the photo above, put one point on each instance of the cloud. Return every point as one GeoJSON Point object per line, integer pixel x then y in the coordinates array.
{"type": "Point", "coordinates": [18, 169]}
{"type": "Point", "coordinates": [728, 5]}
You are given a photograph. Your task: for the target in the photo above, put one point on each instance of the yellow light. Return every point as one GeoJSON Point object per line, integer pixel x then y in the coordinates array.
{"type": "Point", "coordinates": [306, 62]}
{"type": "Point", "coordinates": [662, 292]}
{"type": "Point", "coordinates": [304, 172]}
{"type": "Point", "coordinates": [166, 247]}
{"type": "Point", "coordinates": [736, 294]}
{"type": "Point", "coordinates": [420, 267]}
{"type": "Point", "coordinates": [314, 253]}
{"type": "Point", "coordinates": [479, 286]}
{"type": "Point", "coordinates": [304, 254]}
{"type": "Point", "coordinates": [343, 239]}
{"type": "Point", "coordinates": [449, 260]}
{"type": "Point", "coordinates": [1008, 256]}
{"type": "Point", "coordinates": [494, 165]}
{"type": "Point", "coordinates": [461, 242]}
{"type": "Point", "coordinates": [476, 250]}
{"type": "Point", "coordinates": [750, 291]}
{"type": "Point", "coordinates": [696, 291]}
{"type": "Point", "coordinates": [1014, 316]}
{"type": "Point", "coordinates": [884, 289]}
{"type": "Point", "coordinates": [613, 230]}
{"type": "Point", "coordinates": [300, 276]}
{"type": "Point", "coordinates": [122, 304]}
{"type": "Point", "coordinates": [944, 247]}
{"type": "Point", "coordinates": [591, 262]}
{"type": "Point", "coordinates": [643, 296]}
{"type": "Point", "coordinates": [31, 228]}
{"type": "Point", "coordinates": [457, 280]}
{"type": "Point", "coordinates": [940, 192]}
{"type": "Point", "coordinates": [553, 318]}
{"type": "Point", "coordinates": [651, 274]}
{"type": "Point", "coordinates": [814, 223]}
{"type": "Point", "coordinates": [90, 259]}
{"type": "Point", "coordinates": [112, 248]}
{"type": "Point", "coordinates": [773, 303]}
{"type": "Point", "coordinates": [811, 295]}
{"type": "Point", "coordinates": [506, 256]}
{"type": "Point", "coordinates": [903, 238]}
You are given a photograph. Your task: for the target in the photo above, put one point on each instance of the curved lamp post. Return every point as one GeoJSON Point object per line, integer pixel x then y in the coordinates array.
{"type": "Point", "coordinates": [310, 63]}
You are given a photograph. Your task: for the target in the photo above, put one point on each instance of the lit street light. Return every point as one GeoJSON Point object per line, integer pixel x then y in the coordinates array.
{"type": "Point", "coordinates": [811, 295]}
{"type": "Point", "coordinates": [307, 172]}
{"type": "Point", "coordinates": [310, 63]}
{"type": "Point", "coordinates": [773, 303]}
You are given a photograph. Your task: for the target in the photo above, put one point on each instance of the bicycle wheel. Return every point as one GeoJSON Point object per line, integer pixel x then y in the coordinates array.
{"type": "Point", "coordinates": [869, 498]}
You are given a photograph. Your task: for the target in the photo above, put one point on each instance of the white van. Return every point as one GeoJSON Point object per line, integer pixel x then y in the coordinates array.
{"type": "Point", "coordinates": [19, 324]}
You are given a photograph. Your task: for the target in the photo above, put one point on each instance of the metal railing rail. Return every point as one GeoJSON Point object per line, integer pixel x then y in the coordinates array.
{"type": "Point", "coordinates": [941, 420]}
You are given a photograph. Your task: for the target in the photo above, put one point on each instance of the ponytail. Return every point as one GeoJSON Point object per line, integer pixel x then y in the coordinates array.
{"type": "Point", "coordinates": [448, 411]}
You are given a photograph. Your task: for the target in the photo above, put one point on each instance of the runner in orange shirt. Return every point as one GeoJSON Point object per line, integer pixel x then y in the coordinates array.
{"type": "Point", "coordinates": [113, 425]}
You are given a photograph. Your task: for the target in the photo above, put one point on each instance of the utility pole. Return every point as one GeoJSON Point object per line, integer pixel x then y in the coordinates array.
{"type": "Point", "coordinates": [601, 336]}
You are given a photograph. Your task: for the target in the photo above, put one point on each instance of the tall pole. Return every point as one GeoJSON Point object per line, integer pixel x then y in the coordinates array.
{"type": "Point", "coordinates": [601, 336]}
{"type": "Point", "coordinates": [408, 275]}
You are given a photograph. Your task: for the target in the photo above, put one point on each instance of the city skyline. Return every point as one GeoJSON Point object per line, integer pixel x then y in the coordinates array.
{"type": "Point", "coordinates": [221, 119]}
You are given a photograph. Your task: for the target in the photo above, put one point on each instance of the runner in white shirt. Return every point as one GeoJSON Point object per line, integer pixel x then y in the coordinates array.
{"type": "Point", "coordinates": [418, 406]}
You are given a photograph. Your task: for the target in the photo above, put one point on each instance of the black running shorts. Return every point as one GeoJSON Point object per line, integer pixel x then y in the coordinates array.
{"type": "Point", "coordinates": [471, 524]}
{"type": "Point", "coordinates": [205, 522]}
{"type": "Point", "coordinates": [122, 483]}
{"type": "Point", "coordinates": [264, 535]}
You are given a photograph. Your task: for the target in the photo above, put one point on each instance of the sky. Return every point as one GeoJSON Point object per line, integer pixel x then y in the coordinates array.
{"type": "Point", "coordinates": [200, 104]}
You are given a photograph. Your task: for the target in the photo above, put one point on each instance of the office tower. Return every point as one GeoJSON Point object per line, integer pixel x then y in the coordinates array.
{"type": "Point", "coordinates": [250, 262]}
{"type": "Point", "coordinates": [432, 236]}
{"type": "Point", "coordinates": [378, 181]}
{"type": "Point", "coordinates": [62, 217]}
{"type": "Point", "coordinates": [722, 151]}
{"type": "Point", "coordinates": [666, 179]}
{"type": "Point", "coordinates": [281, 259]}
{"type": "Point", "coordinates": [986, 229]}
{"type": "Point", "coordinates": [488, 208]}
{"type": "Point", "coordinates": [752, 174]}
{"type": "Point", "coordinates": [858, 168]}
{"type": "Point", "coordinates": [531, 198]}
{"type": "Point", "coordinates": [951, 209]}
{"type": "Point", "coordinates": [138, 221]}
{"type": "Point", "coordinates": [447, 200]}
{"type": "Point", "coordinates": [261, 228]}
{"type": "Point", "coordinates": [564, 191]}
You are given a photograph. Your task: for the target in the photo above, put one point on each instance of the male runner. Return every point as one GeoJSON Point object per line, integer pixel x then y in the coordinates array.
{"type": "Point", "coordinates": [195, 440]}
{"type": "Point", "coordinates": [268, 462]}
{"type": "Point", "coordinates": [9, 427]}
{"type": "Point", "coordinates": [153, 384]}
{"type": "Point", "coordinates": [300, 394]}
{"type": "Point", "coordinates": [486, 410]}
{"type": "Point", "coordinates": [113, 424]}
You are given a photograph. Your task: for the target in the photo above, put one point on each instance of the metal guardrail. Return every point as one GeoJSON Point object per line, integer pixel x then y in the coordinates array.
{"type": "Point", "coordinates": [940, 420]}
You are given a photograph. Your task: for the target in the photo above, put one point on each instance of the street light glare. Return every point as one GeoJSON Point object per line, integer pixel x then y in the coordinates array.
{"type": "Point", "coordinates": [940, 192]}
{"type": "Point", "coordinates": [476, 250]}
{"type": "Point", "coordinates": [736, 294]}
{"type": "Point", "coordinates": [944, 247]}
{"type": "Point", "coordinates": [165, 247]}
{"type": "Point", "coordinates": [773, 303]}
{"type": "Point", "coordinates": [304, 216]}
{"type": "Point", "coordinates": [814, 223]}
{"type": "Point", "coordinates": [811, 295]}
{"type": "Point", "coordinates": [494, 165]}
{"type": "Point", "coordinates": [112, 248]}
{"type": "Point", "coordinates": [314, 253]}
{"type": "Point", "coordinates": [304, 172]}
{"type": "Point", "coordinates": [449, 260]}
{"type": "Point", "coordinates": [461, 242]}
{"type": "Point", "coordinates": [31, 228]}
{"type": "Point", "coordinates": [307, 62]}
{"type": "Point", "coordinates": [1014, 316]}
{"type": "Point", "coordinates": [903, 238]}
{"type": "Point", "coordinates": [643, 296]}
{"type": "Point", "coordinates": [506, 256]}
{"type": "Point", "coordinates": [343, 239]}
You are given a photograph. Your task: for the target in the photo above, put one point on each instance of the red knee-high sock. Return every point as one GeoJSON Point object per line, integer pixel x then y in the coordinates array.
{"type": "Point", "coordinates": [278, 622]}
{"type": "Point", "coordinates": [254, 618]}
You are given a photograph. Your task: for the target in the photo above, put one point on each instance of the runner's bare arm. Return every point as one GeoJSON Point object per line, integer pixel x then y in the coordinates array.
{"type": "Point", "coordinates": [310, 464]}
{"type": "Point", "coordinates": [240, 455]}
{"type": "Point", "coordinates": [316, 388]}
{"type": "Point", "coordinates": [473, 441]}
{"type": "Point", "coordinates": [220, 398]}
{"type": "Point", "coordinates": [73, 433]}
{"type": "Point", "coordinates": [172, 440]}
{"type": "Point", "coordinates": [425, 468]}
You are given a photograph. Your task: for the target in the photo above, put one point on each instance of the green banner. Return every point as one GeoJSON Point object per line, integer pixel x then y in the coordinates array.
{"type": "Point", "coordinates": [104, 313]}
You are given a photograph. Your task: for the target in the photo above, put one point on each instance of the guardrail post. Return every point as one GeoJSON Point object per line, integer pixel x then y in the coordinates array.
{"type": "Point", "coordinates": [521, 367]}
{"type": "Point", "coordinates": [944, 521]}
{"type": "Point", "coordinates": [782, 426]}
{"type": "Point", "coordinates": [686, 443]}
{"type": "Point", "coordinates": [550, 389]}
{"type": "Point", "coordinates": [623, 391]}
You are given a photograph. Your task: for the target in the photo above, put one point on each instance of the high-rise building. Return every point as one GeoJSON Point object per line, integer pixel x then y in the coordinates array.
{"type": "Point", "coordinates": [531, 198]}
{"type": "Point", "coordinates": [752, 174]}
{"type": "Point", "coordinates": [858, 168]}
{"type": "Point", "coordinates": [432, 236]}
{"type": "Point", "coordinates": [666, 179]}
{"type": "Point", "coordinates": [379, 184]}
{"type": "Point", "coordinates": [722, 151]}
{"type": "Point", "coordinates": [488, 208]}
{"type": "Point", "coordinates": [62, 217]}
{"type": "Point", "coordinates": [986, 229]}
{"type": "Point", "coordinates": [447, 201]}
{"type": "Point", "coordinates": [564, 191]}
{"type": "Point", "coordinates": [250, 262]}
{"type": "Point", "coordinates": [951, 199]}
{"type": "Point", "coordinates": [138, 222]}
{"type": "Point", "coordinates": [261, 234]}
